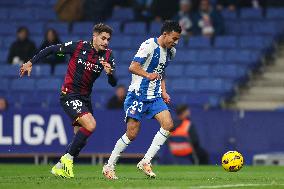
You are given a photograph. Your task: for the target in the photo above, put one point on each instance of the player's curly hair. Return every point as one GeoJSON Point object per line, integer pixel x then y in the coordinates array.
{"type": "Point", "coordinates": [169, 26]}
{"type": "Point", "coordinates": [99, 28]}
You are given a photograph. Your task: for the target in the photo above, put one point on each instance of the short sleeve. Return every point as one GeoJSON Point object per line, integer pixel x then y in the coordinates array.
{"type": "Point", "coordinates": [143, 52]}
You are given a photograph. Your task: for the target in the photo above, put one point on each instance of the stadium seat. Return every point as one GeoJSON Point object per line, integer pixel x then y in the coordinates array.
{"type": "Point", "coordinates": [3, 55]}
{"type": "Point", "coordinates": [125, 81]}
{"type": "Point", "coordinates": [49, 84]}
{"type": "Point", "coordinates": [255, 42]}
{"type": "Point", "coordinates": [238, 56]}
{"type": "Point", "coordinates": [211, 85]}
{"type": "Point", "coordinates": [17, 14]}
{"type": "Point", "coordinates": [122, 71]}
{"type": "Point", "coordinates": [23, 84]}
{"type": "Point", "coordinates": [155, 28]}
{"type": "Point", "coordinates": [45, 14]}
{"type": "Point", "coordinates": [251, 13]}
{"type": "Point", "coordinates": [41, 70]}
{"type": "Point", "coordinates": [175, 71]}
{"type": "Point", "coordinates": [135, 28]}
{"type": "Point", "coordinates": [197, 70]}
{"type": "Point", "coordinates": [4, 13]}
{"type": "Point", "coordinates": [9, 70]}
{"type": "Point", "coordinates": [127, 56]}
{"type": "Point", "coordinates": [10, 3]}
{"type": "Point", "coordinates": [210, 56]}
{"type": "Point", "coordinates": [122, 14]}
{"type": "Point", "coordinates": [80, 28]}
{"type": "Point", "coordinates": [182, 84]}
{"type": "Point", "coordinates": [226, 42]}
{"type": "Point", "coordinates": [60, 27]}
{"type": "Point", "coordinates": [199, 42]}
{"type": "Point", "coordinates": [232, 27]}
{"type": "Point", "coordinates": [227, 71]}
{"type": "Point", "coordinates": [7, 28]}
{"type": "Point", "coordinates": [229, 14]}
{"type": "Point", "coordinates": [275, 13]}
{"type": "Point", "coordinates": [266, 28]}
{"type": "Point", "coordinates": [33, 3]}
{"type": "Point", "coordinates": [102, 85]}
{"type": "Point", "coordinates": [186, 56]}
{"type": "Point", "coordinates": [4, 83]}
{"type": "Point", "coordinates": [121, 42]}
{"type": "Point", "coordinates": [60, 70]}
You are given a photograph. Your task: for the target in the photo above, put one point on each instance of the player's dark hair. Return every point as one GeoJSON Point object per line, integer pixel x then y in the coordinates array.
{"type": "Point", "coordinates": [181, 108]}
{"type": "Point", "coordinates": [99, 28]}
{"type": "Point", "coordinates": [170, 26]}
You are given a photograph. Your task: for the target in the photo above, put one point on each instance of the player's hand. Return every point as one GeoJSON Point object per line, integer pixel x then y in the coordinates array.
{"type": "Point", "coordinates": [107, 67]}
{"type": "Point", "coordinates": [26, 68]}
{"type": "Point", "coordinates": [166, 97]}
{"type": "Point", "coordinates": [153, 76]}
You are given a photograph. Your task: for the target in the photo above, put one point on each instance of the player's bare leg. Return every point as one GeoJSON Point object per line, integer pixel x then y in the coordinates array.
{"type": "Point", "coordinates": [166, 122]}
{"type": "Point", "coordinates": [133, 127]}
{"type": "Point", "coordinates": [88, 125]}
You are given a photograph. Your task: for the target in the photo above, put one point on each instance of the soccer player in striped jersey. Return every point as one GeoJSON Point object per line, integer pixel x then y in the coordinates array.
{"type": "Point", "coordinates": [88, 60]}
{"type": "Point", "coordinates": [147, 96]}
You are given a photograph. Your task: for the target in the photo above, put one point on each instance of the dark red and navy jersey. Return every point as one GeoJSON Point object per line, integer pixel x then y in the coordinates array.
{"type": "Point", "coordinates": [84, 65]}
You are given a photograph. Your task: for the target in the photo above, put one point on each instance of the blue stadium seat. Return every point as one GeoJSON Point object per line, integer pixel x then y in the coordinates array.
{"type": "Point", "coordinates": [238, 56]}
{"type": "Point", "coordinates": [33, 3]}
{"type": "Point", "coordinates": [121, 42]}
{"type": "Point", "coordinates": [226, 42]}
{"type": "Point", "coordinates": [229, 14]}
{"type": "Point", "coordinates": [67, 38]}
{"type": "Point", "coordinates": [7, 28]}
{"type": "Point", "coordinates": [197, 71]}
{"type": "Point", "coordinates": [4, 83]}
{"type": "Point", "coordinates": [9, 70]}
{"type": "Point", "coordinates": [266, 28]}
{"type": "Point", "coordinates": [35, 28]}
{"type": "Point", "coordinates": [135, 28]}
{"type": "Point", "coordinates": [122, 14]}
{"type": "Point", "coordinates": [246, 27]}
{"type": "Point", "coordinates": [4, 13]}
{"type": "Point", "coordinates": [10, 3]}
{"type": "Point", "coordinates": [7, 42]}
{"type": "Point", "coordinates": [122, 71]}
{"type": "Point", "coordinates": [60, 70]}
{"type": "Point", "coordinates": [137, 41]}
{"type": "Point", "coordinates": [255, 42]}
{"type": "Point", "coordinates": [175, 71]}
{"type": "Point", "coordinates": [199, 42]}
{"type": "Point", "coordinates": [127, 56]}
{"type": "Point", "coordinates": [101, 84]}
{"type": "Point", "coordinates": [125, 81]}
{"type": "Point", "coordinates": [116, 26]}
{"type": "Point", "coordinates": [182, 84]}
{"type": "Point", "coordinates": [50, 84]}
{"type": "Point", "coordinates": [82, 28]}
{"type": "Point", "coordinates": [232, 27]}
{"type": "Point", "coordinates": [275, 13]}
{"type": "Point", "coordinates": [17, 14]}
{"type": "Point", "coordinates": [155, 28]}
{"type": "Point", "coordinates": [228, 71]}
{"type": "Point", "coordinates": [251, 13]}
{"type": "Point", "coordinates": [186, 56]}
{"type": "Point", "coordinates": [3, 56]}
{"type": "Point", "coordinates": [45, 14]}
{"type": "Point", "coordinates": [211, 85]}
{"type": "Point", "coordinates": [23, 84]}
{"type": "Point", "coordinates": [210, 55]}
{"type": "Point", "coordinates": [60, 27]}
{"type": "Point", "coordinates": [41, 70]}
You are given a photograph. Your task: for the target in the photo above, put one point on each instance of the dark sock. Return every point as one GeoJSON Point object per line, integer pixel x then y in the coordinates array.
{"type": "Point", "coordinates": [78, 142]}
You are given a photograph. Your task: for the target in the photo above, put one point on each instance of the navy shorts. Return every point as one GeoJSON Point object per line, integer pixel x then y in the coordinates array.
{"type": "Point", "coordinates": [75, 106]}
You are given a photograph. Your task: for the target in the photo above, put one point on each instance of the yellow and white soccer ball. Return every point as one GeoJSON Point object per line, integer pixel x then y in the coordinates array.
{"type": "Point", "coordinates": [232, 161]}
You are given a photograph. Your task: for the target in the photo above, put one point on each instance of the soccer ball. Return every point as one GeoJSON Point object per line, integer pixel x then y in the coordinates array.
{"type": "Point", "coordinates": [232, 161]}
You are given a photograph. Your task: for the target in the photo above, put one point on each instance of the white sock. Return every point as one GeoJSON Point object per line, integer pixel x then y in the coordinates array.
{"type": "Point", "coordinates": [58, 165]}
{"type": "Point", "coordinates": [159, 139]}
{"type": "Point", "coordinates": [119, 147]}
{"type": "Point", "coordinates": [68, 156]}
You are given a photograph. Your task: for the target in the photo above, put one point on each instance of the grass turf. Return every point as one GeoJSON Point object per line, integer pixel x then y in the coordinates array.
{"type": "Point", "coordinates": [88, 176]}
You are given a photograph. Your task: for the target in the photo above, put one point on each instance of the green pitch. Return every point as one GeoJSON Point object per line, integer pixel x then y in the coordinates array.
{"type": "Point", "coordinates": [190, 177]}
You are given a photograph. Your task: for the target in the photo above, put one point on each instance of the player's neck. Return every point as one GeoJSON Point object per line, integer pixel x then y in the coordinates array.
{"type": "Point", "coordinates": [95, 46]}
{"type": "Point", "coordinates": [160, 42]}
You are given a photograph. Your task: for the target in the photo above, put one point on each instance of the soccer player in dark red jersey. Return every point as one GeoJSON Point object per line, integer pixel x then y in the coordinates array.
{"type": "Point", "coordinates": [88, 60]}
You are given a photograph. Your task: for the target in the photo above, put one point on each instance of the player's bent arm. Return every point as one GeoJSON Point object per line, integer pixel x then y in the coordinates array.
{"type": "Point", "coordinates": [163, 86]}
{"type": "Point", "coordinates": [45, 52]}
{"type": "Point", "coordinates": [136, 69]}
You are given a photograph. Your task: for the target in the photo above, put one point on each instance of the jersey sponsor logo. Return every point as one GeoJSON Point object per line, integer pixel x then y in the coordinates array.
{"type": "Point", "coordinates": [68, 43]}
{"type": "Point", "coordinates": [90, 66]}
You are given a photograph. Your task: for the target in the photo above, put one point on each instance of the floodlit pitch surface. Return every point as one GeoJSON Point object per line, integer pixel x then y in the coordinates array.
{"type": "Point", "coordinates": [190, 177]}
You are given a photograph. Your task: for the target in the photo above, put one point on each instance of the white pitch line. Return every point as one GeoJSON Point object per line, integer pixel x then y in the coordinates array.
{"type": "Point", "coordinates": [234, 186]}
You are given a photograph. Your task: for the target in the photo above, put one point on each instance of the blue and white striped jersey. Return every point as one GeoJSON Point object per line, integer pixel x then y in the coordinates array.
{"type": "Point", "coordinates": [153, 59]}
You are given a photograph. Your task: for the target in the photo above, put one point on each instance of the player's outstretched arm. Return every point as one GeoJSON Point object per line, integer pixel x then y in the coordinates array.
{"type": "Point", "coordinates": [27, 67]}
{"type": "Point", "coordinates": [136, 69]}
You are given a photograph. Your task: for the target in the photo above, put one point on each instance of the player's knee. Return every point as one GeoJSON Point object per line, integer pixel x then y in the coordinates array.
{"type": "Point", "coordinates": [91, 126]}
{"type": "Point", "coordinates": [168, 125]}
{"type": "Point", "coordinates": [131, 134]}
